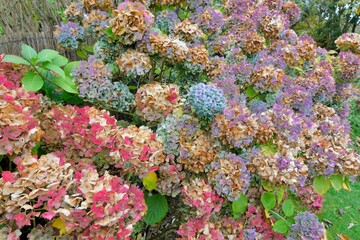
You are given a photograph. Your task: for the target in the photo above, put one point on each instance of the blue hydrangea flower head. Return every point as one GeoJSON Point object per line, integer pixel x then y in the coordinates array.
{"type": "Point", "coordinates": [206, 100]}
{"type": "Point", "coordinates": [68, 35]}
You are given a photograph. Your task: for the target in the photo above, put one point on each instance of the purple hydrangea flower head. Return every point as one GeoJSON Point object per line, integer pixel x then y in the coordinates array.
{"type": "Point", "coordinates": [306, 226]}
{"type": "Point", "coordinates": [165, 20]}
{"type": "Point", "coordinates": [349, 66]}
{"type": "Point", "coordinates": [93, 79]}
{"type": "Point", "coordinates": [229, 175]}
{"type": "Point", "coordinates": [206, 100]}
{"type": "Point", "coordinates": [68, 35]}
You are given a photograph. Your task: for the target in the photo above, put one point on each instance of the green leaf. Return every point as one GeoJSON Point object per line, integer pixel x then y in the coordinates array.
{"type": "Point", "coordinates": [88, 48]}
{"type": "Point", "coordinates": [28, 52]}
{"type": "Point", "coordinates": [281, 226]}
{"type": "Point", "coordinates": [71, 98]}
{"type": "Point", "coordinates": [47, 55]}
{"type": "Point", "coordinates": [321, 184]}
{"type": "Point", "coordinates": [336, 181]}
{"type": "Point", "coordinates": [81, 53]}
{"type": "Point", "coordinates": [240, 205]}
{"type": "Point", "coordinates": [55, 69]}
{"type": "Point", "coordinates": [132, 87]}
{"type": "Point", "coordinates": [346, 184]}
{"type": "Point", "coordinates": [298, 70]}
{"type": "Point", "coordinates": [15, 59]}
{"type": "Point", "coordinates": [268, 200]}
{"type": "Point", "coordinates": [288, 207]}
{"type": "Point", "coordinates": [65, 83]}
{"type": "Point", "coordinates": [268, 149]}
{"type": "Point", "coordinates": [182, 14]}
{"type": "Point", "coordinates": [70, 67]}
{"type": "Point", "coordinates": [157, 208]}
{"type": "Point", "coordinates": [2, 225]}
{"type": "Point", "coordinates": [32, 82]}
{"type": "Point", "coordinates": [60, 61]}
{"type": "Point", "coordinates": [250, 92]}
{"type": "Point", "coordinates": [280, 194]}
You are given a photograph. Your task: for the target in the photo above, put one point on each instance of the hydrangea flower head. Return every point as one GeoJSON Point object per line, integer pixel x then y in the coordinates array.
{"type": "Point", "coordinates": [69, 35]}
{"type": "Point", "coordinates": [93, 78]}
{"type": "Point", "coordinates": [229, 175]}
{"type": "Point", "coordinates": [206, 100]}
{"type": "Point", "coordinates": [131, 20]}
{"type": "Point", "coordinates": [306, 226]}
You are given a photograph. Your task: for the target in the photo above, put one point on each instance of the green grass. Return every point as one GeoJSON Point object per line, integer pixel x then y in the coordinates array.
{"type": "Point", "coordinates": [342, 209]}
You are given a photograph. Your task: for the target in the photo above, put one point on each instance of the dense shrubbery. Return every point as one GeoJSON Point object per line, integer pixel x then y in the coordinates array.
{"type": "Point", "coordinates": [216, 107]}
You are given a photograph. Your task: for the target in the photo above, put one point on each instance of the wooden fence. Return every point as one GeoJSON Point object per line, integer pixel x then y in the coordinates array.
{"type": "Point", "coordinates": [31, 22]}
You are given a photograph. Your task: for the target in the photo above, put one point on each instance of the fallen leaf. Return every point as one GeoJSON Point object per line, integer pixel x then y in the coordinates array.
{"type": "Point", "coordinates": [343, 237]}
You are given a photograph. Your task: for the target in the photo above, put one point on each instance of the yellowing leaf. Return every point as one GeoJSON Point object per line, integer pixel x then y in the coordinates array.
{"type": "Point", "coordinates": [343, 237]}
{"type": "Point", "coordinates": [268, 149]}
{"type": "Point", "coordinates": [150, 181]}
{"type": "Point", "coordinates": [179, 112]}
{"type": "Point", "coordinates": [60, 224]}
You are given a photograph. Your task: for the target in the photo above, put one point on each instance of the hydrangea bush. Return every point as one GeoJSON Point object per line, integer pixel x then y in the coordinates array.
{"type": "Point", "coordinates": [191, 120]}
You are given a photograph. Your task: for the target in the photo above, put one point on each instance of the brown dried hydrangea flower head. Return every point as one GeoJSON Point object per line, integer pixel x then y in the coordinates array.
{"type": "Point", "coordinates": [103, 5]}
{"type": "Point", "coordinates": [131, 20]}
{"type": "Point", "coordinates": [171, 48]}
{"type": "Point", "coordinates": [139, 150]}
{"type": "Point", "coordinates": [133, 63]}
{"type": "Point", "coordinates": [155, 101]}
{"type": "Point", "coordinates": [187, 31]}
{"type": "Point", "coordinates": [197, 150]}
{"type": "Point", "coordinates": [349, 41]}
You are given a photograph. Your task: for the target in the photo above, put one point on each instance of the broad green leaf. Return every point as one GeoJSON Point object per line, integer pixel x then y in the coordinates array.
{"type": "Point", "coordinates": [281, 226]}
{"type": "Point", "coordinates": [15, 59]}
{"type": "Point", "coordinates": [150, 181]}
{"type": "Point", "coordinates": [288, 207]}
{"type": "Point", "coordinates": [157, 208]}
{"type": "Point", "coordinates": [28, 52]}
{"type": "Point", "coordinates": [60, 61]}
{"type": "Point", "coordinates": [47, 55]}
{"type": "Point", "coordinates": [32, 82]}
{"type": "Point", "coordinates": [81, 53]}
{"type": "Point", "coordinates": [336, 181]}
{"type": "Point", "coordinates": [240, 205]}
{"type": "Point", "coordinates": [70, 67]}
{"type": "Point", "coordinates": [250, 92]}
{"type": "Point", "coordinates": [280, 194]}
{"type": "Point", "coordinates": [88, 48]}
{"type": "Point", "coordinates": [268, 200]}
{"type": "Point", "coordinates": [71, 98]}
{"type": "Point", "coordinates": [321, 184]}
{"type": "Point", "coordinates": [65, 83]}
{"type": "Point", "coordinates": [55, 69]}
